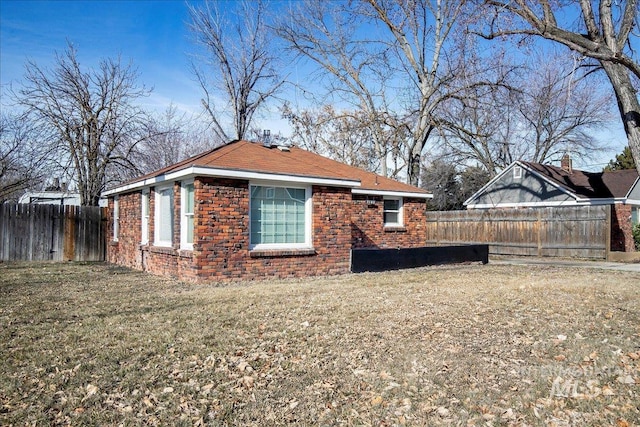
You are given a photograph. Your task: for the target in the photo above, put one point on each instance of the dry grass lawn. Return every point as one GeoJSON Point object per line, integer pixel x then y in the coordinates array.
{"type": "Point", "coordinates": [93, 344]}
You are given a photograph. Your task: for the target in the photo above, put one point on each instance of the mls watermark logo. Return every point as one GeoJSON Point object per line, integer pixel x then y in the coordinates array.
{"type": "Point", "coordinates": [562, 387]}
{"type": "Point", "coordinates": [581, 383]}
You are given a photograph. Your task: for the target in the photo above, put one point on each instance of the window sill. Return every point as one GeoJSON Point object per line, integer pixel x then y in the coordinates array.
{"type": "Point", "coordinates": [395, 229]}
{"type": "Point", "coordinates": [185, 253]}
{"type": "Point", "coordinates": [168, 250]}
{"type": "Point", "coordinates": [273, 253]}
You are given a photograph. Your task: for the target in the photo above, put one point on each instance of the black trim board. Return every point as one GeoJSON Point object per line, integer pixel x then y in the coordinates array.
{"type": "Point", "coordinates": [370, 259]}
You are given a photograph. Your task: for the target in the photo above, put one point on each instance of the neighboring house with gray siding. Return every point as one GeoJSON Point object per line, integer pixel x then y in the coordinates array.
{"type": "Point", "coordinates": [532, 185]}
{"type": "Point", "coordinates": [64, 198]}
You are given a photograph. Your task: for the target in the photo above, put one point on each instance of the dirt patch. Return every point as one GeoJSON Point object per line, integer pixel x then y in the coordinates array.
{"type": "Point", "coordinates": [463, 345]}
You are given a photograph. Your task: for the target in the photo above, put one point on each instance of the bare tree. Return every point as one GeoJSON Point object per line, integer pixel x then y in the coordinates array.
{"type": "Point", "coordinates": [603, 33]}
{"type": "Point", "coordinates": [421, 31]}
{"type": "Point", "coordinates": [356, 71]}
{"type": "Point", "coordinates": [90, 116]}
{"type": "Point", "coordinates": [238, 72]}
{"type": "Point", "coordinates": [25, 162]}
{"type": "Point", "coordinates": [340, 135]}
{"type": "Point", "coordinates": [174, 136]}
{"type": "Point", "coordinates": [542, 110]}
{"type": "Point", "coordinates": [559, 112]}
{"type": "Point", "coordinates": [392, 59]}
{"type": "Point", "coordinates": [478, 122]}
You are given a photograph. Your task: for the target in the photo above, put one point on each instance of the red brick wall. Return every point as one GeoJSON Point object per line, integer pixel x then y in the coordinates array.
{"type": "Point", "coordinates": [222, 244]}
{"type": "Point", "coordinates": [331, 229]}
{"type": "Point", "coordinates": [621, 229]}
{"type": "Point", "coordinates": [125, 251]}
{"type": "Point", "coordinates": [168, 261]}
{"type": "Point", "coordinates": [221, 218]}
{"type": "Point", "coordinates": [221, 250]}
{"type": "Point", "coordinates": [368, 229]}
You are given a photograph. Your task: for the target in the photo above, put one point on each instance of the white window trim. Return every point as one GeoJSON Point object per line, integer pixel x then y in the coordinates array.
{"type": "Point", "coordinates": [635, 209]}
{"type": "Point", "coordinates": [183, 215]}
{"type": "Point", "coordinates": [116, 218]}
{"type": "Point", "coordinates": [400, 222]}
{"type": "Point", "coordinates": [144, 217]}
{"type": "Point", "coordinates": [156, 218]}
{"type": "Point", "coordinates": [308, 218]}
{"type": "Point", "coordinates": [517, 172]}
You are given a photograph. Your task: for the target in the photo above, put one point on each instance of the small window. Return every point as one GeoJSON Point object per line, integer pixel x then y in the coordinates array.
{"type": "Point", "coordinates": [635, 215]}
{"type": "Point", "coordinates": [116, 218]}
{"type": "Point", "coordinates": [144, 223]}
{"type": "Point", "coordinates": [392, 212]}
{"type": "Point", "coordinates": [187, 224]}
{"type": "Point", "coordinates": [517, 172]}
{"type": "Point", "coordinates": [164, 217]}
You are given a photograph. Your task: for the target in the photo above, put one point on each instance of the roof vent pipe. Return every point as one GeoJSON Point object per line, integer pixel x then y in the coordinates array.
{"type": "Point", "coordinates": [266, 138]}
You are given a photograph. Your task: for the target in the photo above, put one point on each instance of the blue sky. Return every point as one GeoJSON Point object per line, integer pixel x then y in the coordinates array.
{"type": "Point", "coordinates": [153, 34]}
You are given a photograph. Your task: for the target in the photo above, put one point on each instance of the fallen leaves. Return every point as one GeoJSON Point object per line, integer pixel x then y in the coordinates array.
{"type": "Point", "coordinates": [626, 379]}
{"type": "Point", "coordinates": [377, 400]}
{"type": "Point", "coordinates": [90, 391]}
{"type": "Point", "coordinates": [443, 412]}
{"type": "Point", "coordinates": [463, 345]}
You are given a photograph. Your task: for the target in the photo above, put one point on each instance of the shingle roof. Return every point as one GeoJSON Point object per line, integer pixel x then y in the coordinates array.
{"type": "Point", "coordinates": [591, 185]}
{"type": "Point", "coordinates": [255, 157]}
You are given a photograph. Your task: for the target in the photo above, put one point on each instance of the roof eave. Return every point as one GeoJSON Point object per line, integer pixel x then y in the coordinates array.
{"type": "Point", "coordinates": [391, 193]}
{"type": "Point", "coordinates": [490, 183]}
{"type": "Point", "coordinates": [542, 204]}
{"type": "Point", "coordinates": [637, 180]}
{"type": "Point", "coordinates": [232, 173]}
{"type": "Point", "coordinates": [560, 187]}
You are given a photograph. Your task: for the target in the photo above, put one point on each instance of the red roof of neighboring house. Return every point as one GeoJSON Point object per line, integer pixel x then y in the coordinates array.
{"type": "Point", "coordinates": [292, 161]}
{"type": "Point", "coordinates": [592, 185]}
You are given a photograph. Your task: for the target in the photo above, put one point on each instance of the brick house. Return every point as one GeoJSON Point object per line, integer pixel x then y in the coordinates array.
{"type": "Point", "coordinates": [528, 184]}
{"type": "Point", "coordinates": [248, 210]}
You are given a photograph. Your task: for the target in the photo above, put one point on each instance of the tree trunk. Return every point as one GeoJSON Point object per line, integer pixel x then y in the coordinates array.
{"type": "Point", "coordinates": [413, 170]}
{"type": "Point", "coordinates": [628, 105]}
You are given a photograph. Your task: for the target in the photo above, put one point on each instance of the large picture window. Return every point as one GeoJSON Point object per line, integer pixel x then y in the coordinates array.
{"type": "Point", "coordinates": [186, 231]}
{"type": "Point", "coordinates": [393, 212]}
{"type": "Point", "coordinates": [280, 217]}
{"type": "Point", "coordinates": [164, 217]}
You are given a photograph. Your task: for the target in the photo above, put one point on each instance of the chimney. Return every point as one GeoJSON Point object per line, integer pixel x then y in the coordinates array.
{"type": "Point", "coordinates": [566, 164]}
{"type": "Point", "coordinates": [266, 138]}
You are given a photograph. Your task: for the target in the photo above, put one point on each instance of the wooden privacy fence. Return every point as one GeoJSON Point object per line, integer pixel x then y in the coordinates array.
{"type": "Point", "coordinates": [581, 232]}
{"type": "Point", "coordinates": [51, 232]}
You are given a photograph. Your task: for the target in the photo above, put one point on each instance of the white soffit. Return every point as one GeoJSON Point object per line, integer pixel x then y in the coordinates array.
{"type": "Point", "coordinates": [230, 173]}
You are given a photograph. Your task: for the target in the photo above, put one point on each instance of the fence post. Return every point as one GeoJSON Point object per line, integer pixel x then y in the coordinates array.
{"type": "Point", "coordinates": [69, 233]}
{"type": "Point", "coordinates": [607, 250]}
{"type": "Point", "coordinates": [57, 232]}
{"type": "Point", "coordinates": [539, 214]}
{"type": "Point", "coordinates": [437, 228]}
